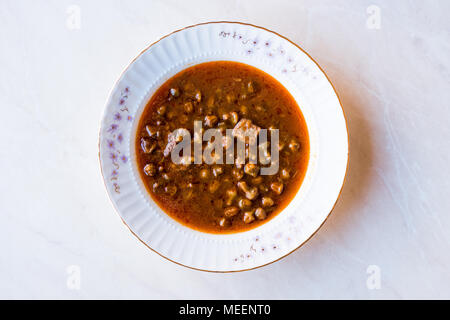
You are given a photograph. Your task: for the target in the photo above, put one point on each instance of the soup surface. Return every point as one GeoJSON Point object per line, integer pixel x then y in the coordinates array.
{"type": "Point", "coordinates": [215, 197]}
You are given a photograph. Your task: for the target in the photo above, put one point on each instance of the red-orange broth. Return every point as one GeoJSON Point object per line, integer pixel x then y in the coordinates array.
{"type": "Point", "coordinates": [211, 198]}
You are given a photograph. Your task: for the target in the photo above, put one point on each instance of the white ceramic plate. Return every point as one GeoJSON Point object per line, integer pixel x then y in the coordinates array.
{"type": "Point", "coordinates": [319, 104]}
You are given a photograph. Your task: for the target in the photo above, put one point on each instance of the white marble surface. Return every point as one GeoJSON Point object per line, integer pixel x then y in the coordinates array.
{"type": "Point", "coordinates": [394, 211]}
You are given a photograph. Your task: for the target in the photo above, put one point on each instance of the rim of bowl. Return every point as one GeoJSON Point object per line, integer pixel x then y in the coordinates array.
{"type": "Point", "coordinates": [312, 59]}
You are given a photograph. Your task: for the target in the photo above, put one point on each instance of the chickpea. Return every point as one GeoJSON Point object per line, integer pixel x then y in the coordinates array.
{"type": "Point", "coordinates": [294, 145]}
{"type": "Point", "coordinates": [204, 174]}
{"type": "Point", "coordinates": [285, 174]}
{"type": "Point", "coordinates": [225, 116]}
{"type": "Point", "coordinates": [249, 216]}
{"type": "Point", "coordinates": [175, 92]}
{"type": "Point", "coordinates": [250, 193]}
{"type": "Point", "coordinates": [237, 173]}
{"type": "Point", "coordinates": [230, 212]}
{"type": "Point", "coordinates": [170, 190]}
{"type": "Point", "coordinates": [188, 107]}
{"type": "Point", "coordinates": [198, 95]}
{"type": "Point", "coordinates": [217, 171]}
{"type": "Point", "coordinates": [223, 222]}
{"type": "Point", "coordinates": [242, 185]}
{"type": "Point", "coordinates": [277, 187]}
{"type": "Point", "coordinates": [230, 194]}
{"type": "Point", "coordinates": [267, 202]}
{"type": "Point", "coordinates": [161, 110]}
{"type": "Point", "coordinates": [150, 169]}
{"type": "Point", "coordinates": [210, 121]}
{"type": "Point", "coordinates": [250, 87]}
{"type": "Point", "coordinates": [234, 118]}
{"type": "Point", "coordinates": [260, 213]}
{"type": "Point", "coordinates": [244, 203]}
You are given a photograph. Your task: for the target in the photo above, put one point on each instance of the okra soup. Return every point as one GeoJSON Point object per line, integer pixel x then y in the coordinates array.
{"type": "Point", "coordinates": [222, 147]}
